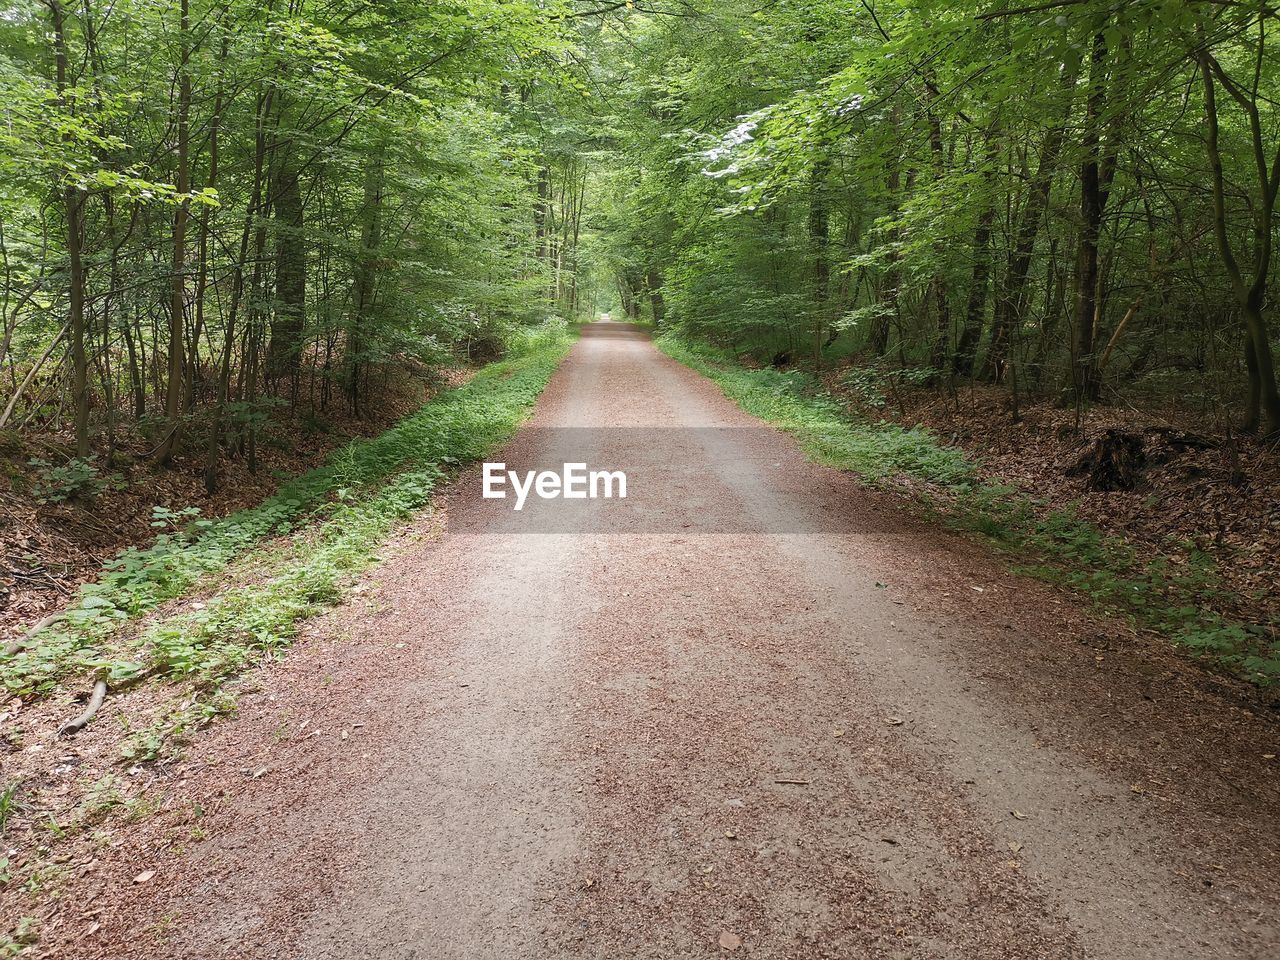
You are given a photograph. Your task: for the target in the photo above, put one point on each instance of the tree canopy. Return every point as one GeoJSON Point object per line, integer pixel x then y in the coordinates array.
{"type": "Point", "coordinates": [210, 211]}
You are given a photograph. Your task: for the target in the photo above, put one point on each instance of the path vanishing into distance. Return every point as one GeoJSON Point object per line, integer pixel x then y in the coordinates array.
{"type": "Point", "coordinates": [753, 709]}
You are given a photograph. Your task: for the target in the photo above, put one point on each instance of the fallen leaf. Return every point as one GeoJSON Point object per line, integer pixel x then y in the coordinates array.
{"type": "Point", "coordinates": [144, 876]}
{"type": "Point", "coordinates": [894, 721]}
{"type": "Point", "coordinates": [1018, 815]}
{"type": "Point", "coordinates": [730, 941]}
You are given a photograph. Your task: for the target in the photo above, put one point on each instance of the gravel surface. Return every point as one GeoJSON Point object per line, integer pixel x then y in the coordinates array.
{"type": "Point", "coordinates": [633, 738]}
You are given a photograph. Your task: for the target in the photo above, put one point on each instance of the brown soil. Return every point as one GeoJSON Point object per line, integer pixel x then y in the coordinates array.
{"type": "Point", "coordinates": [865, 739]}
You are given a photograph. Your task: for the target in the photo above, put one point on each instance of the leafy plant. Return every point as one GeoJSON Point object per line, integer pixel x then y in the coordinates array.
{"type": "Point", "coordinates": [24, 934]}
{"type": "Point", "coordinates": [9, 804]}
{"type": "Point", "coordinates": [80, 478]}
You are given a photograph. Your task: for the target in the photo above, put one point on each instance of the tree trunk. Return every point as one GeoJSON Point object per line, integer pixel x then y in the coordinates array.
{"type": "Point", "coordinates": [967, 347]}
{"type": "Point", "coordinates": [1263, 396]}
{"type": "Point", "coordinates": [363, 286]}
{"type": "Point", "coordinates": [938, 285]}
{"type": "Point", "coordinates": [284, 352]}
{"type": "Point", "coordinates": [820, 242]}
{"type": "Point", "coordinates": [177, 300]}
{"type": "Point", "coordinates": [73, 202]}
{"type": "Point", "coordinates": [254, 212]}
{"type": "Point", "coordinates": [656, 300]}
{"type": "Point", "coordinates": [1095, 180]}
{"type": "Point", "coordinates": [879, 342]}
{"type": "Point", "coordinates": [1011, 301]}
{"type": "Point", "coordinates": [540, 212]}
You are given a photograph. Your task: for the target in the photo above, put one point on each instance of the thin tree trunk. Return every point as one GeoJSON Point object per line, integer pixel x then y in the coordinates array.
{"type": "Point", "coordinates": [237, 292]}
{"type": "Point", "coordinates": [284, 353]}
{"type": "Point", "coordinates": [1263, 398]}
{"type": "Point", "coordinates": [967, 347]}
{"type": "Point", "coordinates": [1011, 301]}
{"type": "Point", "coordinates": [820, 242]}
{"type": "Point", "coordinates": [1095, 180]}
{"type": "Point", "coordinates": [73, 202]}
{"type": "Point", "coordinates": [177, 306]}
{"type": "Point", "coordinates": [363, 287]}
{"type": "Point", "coordinates": [938, 285]}
{"type": "Point", "coordinates": [893, 271]}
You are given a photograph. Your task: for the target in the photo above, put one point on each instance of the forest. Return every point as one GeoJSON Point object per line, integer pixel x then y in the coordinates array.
{"type": "Point", "coordinates": [214, 215]}
{"type": "Point", "coordinates": [961, 627]}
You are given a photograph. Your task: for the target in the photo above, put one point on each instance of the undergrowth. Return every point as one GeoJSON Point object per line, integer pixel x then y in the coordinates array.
{"type": "Point", "coordinates": [1174, 598]}
{"type": "Point", "coordinates": [346, 508]}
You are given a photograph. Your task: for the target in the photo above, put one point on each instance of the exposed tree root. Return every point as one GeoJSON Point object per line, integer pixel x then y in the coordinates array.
{"type": "Point", "coordinates": [17, 646]}
{"type": "Point", "coordinates": [95, 704]}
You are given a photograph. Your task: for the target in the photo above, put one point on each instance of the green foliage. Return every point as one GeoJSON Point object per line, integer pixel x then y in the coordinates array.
{"type": "Point", "coordinates": [794, 401]}
{"type": "Point", "coordinates": [9, 803]}
{"type": "Point", "coordinates": [24, 934]}
{"type": "Point", "coordinates": [80, 478]}
{"type": "Point", "coordinates": [873, 385]}
{"type": "Point", "coordinates": [361, 175]}
{"type": "Point", "coordinates": [905, 179]}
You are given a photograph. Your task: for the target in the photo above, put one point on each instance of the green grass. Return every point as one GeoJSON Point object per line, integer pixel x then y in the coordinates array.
{"type": "Point", "coordinates": [1175, 599]}
{"type": "Point", "coordinates": [343, 511]}
{"type": "Point", "coordinates": [795, 402]}
{"type": "Point", "coordinates": [9, 804]}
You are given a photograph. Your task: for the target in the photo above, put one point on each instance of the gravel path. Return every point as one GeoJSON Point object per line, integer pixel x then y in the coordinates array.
{"type": "Point", "coordinates": [755, 709]}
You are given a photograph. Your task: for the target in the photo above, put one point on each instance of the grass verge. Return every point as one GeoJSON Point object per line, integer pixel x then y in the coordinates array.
{"type": "Point", "coordinates": [1174, 599]}
{"type": "Point", "coordinates": [345, 508]}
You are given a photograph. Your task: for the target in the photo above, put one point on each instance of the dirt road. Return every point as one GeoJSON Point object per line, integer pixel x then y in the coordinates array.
{"type": "Point", "coordinates": [764, 712]}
